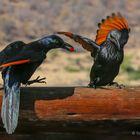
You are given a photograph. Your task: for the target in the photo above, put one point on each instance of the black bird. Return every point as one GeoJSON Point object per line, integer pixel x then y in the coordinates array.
{"type": "Point", "coordinates": [18, 62]}
{"type": "Point", "coordinates": [107, 50]}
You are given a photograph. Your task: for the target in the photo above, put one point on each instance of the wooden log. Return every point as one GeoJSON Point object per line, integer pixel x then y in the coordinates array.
{"type": "Point", "coordinates": [66, 136]}
{"type": "Point", "coordinates": [78, 109]}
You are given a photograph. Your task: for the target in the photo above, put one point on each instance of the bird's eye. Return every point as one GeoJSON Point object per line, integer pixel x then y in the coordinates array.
{"type": "Point", "coordinates": [56, 41]}
{"type": "Point", "coordinates": [111, 36]}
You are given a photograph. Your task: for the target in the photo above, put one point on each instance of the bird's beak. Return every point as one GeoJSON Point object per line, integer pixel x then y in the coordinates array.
{"type": "Point", "coordinates": [68, 47]}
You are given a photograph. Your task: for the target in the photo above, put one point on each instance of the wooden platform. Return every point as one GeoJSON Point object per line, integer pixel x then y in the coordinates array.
{"type": "Point", "coordinates": [77, 111]}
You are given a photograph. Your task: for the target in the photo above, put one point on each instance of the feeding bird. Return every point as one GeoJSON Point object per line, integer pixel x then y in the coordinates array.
{"type": "Point", "coordinates": [107, 50]}
{"type": "Point", "coordinates": [18, 62]}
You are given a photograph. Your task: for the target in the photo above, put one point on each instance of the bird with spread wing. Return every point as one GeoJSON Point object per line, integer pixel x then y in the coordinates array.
{"type": "Point", "coordinates": [107, 50]}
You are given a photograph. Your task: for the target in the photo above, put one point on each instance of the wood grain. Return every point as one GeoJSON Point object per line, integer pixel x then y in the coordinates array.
{"type": "Point", "coordinates": [78, 109]}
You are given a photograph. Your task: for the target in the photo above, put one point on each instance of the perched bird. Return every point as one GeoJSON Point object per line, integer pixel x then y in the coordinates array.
{"type": "Point", "coordinates": [18, 62]}
{"type": "Point", "coordinates": [107, 50]}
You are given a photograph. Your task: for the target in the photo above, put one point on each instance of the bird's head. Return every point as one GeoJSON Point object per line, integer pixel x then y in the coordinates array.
{"type": "Point", "coordinates": [54, 41]}
{"type": "Point", "coordinates": [114, 28]}
{"type": "Point", "coordinates": [114, 36]}
{"type": "Point", "coordinates": [119, 37]}
{"type": "Point", "coordinates": [60, 43]}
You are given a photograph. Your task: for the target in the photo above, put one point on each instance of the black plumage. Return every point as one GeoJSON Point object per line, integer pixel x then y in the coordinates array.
{"type": "Point", "coordinates": [18, 62]}
{"type": "Point", "coordinates": [107, 50]}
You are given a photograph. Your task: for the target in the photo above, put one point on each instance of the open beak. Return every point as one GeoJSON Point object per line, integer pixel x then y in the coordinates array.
{"type": "Point", "coordinates": [68, 47]}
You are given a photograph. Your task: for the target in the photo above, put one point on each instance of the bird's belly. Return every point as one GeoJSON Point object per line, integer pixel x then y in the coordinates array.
{"type": "Point", "coordinates": [107, 75]}
{"type": "Point", "coordinates": [105, 80]}
{"type": "Point", "coordinates": [26, 71]}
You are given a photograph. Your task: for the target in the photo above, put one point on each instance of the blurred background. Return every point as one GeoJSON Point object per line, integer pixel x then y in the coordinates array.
{"type": "Point", "coordinates": [29, 20]}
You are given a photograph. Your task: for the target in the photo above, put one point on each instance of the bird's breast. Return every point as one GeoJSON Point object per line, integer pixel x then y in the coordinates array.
{"type": "Point", "coordinates": [110, 56]}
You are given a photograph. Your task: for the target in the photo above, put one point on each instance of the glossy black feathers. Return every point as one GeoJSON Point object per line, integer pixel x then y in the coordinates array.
{"type": "Point", "coordinates": [15, 72]}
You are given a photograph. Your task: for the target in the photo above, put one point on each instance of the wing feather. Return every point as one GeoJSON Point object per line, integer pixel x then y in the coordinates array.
{"type": "Point", "coordinates": [86, 43]}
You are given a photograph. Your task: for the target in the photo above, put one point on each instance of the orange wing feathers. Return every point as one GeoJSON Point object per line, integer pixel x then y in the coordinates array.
{"type": "Point", "coordinates": [14, 63]}
{"type": "Point", "coordinates": [115, 21]}
{"type": "Point", "coordinates": [78, 39]}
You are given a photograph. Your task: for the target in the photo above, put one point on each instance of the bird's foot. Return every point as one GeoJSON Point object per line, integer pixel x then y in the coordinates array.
{"type": "Point", "coordinates": [116, 85]}
{"type": "Point", "coordinates": [92, 85]}
{"type": "Point", "coordinates": [37, 80]}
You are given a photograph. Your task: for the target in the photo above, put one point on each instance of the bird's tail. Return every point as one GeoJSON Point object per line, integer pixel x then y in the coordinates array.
{"type": "Point", "coordinates": [11, 101]}
{"type": "Point", "coordinates": [10, 111]}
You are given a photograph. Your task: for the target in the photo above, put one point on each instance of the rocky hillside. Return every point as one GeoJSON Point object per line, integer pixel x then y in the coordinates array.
{"type": "Point", "coordinates": [29, 19]}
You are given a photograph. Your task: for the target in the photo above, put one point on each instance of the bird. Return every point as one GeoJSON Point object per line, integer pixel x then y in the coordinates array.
{"type": "Point", "coordinates": [18, 62]}
{"type": "Point", "coordinates": [107, 50]}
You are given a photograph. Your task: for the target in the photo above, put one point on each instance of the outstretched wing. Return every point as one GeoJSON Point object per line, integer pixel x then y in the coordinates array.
{"type": "Point", "coordinates": [86, 43]}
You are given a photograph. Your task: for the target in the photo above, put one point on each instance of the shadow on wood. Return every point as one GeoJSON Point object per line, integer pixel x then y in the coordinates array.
{"type": "Point", "coordinates": [78, 109]}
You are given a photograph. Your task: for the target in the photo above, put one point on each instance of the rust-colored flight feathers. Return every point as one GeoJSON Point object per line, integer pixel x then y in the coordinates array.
{"type": "Point", "coordinates": [115, 21]}
{"type": "Point", "coordinates": [79, 39]}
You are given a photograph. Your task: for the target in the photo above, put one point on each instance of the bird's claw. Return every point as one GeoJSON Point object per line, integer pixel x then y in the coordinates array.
{"type": "Point", "coordinates": [116, 85]}
{"type": "Point", "coordinates": [37, 80]}
{"type": "Point", "coordinates": [41, 80]}
{"type": "Point", "coordinates": [91, 85]}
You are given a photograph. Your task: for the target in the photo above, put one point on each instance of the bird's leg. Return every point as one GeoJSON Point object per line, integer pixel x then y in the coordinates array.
{"type": "Point", "coordinates": [93, 83]}
{"type": "Point", "coordinates": [37, 80]}
{"type": "Point", "coordinates": [116, 85]}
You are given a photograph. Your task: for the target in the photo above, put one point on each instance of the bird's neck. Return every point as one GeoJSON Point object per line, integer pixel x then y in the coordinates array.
{"type": "Point", "coordinates": [111, 46]}
{"type": "Point", "coordinates": [114, 55]}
